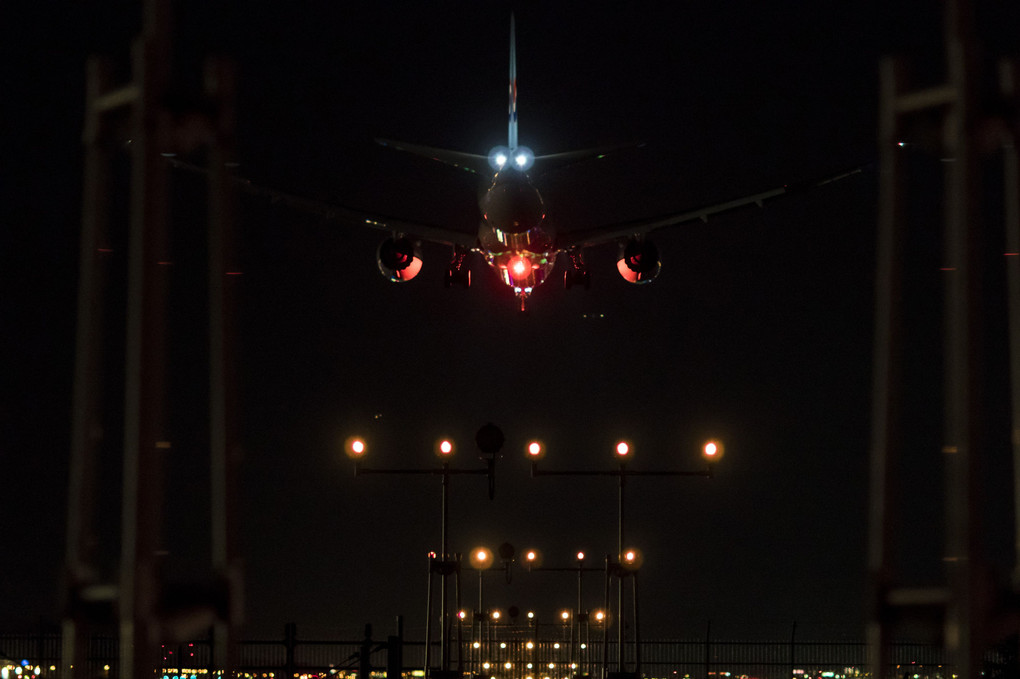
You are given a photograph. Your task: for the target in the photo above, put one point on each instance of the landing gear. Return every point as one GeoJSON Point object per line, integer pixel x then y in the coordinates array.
{"type": "Point", "coordinates": [577, 277]}
{"type": "Point", "coordinates": [459, 277]}
{"type": "Point", "coordinates": [577, 272]}
{"type": "Point", "coordinates": [459, 273]}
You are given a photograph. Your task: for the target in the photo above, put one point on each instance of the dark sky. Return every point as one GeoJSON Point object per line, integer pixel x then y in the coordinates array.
{"type": "Point", "coordinates": [758, 331]}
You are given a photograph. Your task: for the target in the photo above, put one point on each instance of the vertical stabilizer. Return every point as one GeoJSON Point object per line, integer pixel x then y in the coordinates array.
{"type": "Point", "coordinates": [512, 128]}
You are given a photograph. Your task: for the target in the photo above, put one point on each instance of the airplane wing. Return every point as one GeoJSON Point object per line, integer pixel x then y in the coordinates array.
{"type": "Point", "coordinates": [346, 215]}
{"type": "Point", "coordinates": [470, 162]}
{"type": "Point", "coordinates": [612, 232]}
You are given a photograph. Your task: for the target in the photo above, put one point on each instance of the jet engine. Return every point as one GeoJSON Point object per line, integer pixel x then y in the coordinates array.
{"type": "Point", "coordinates": [399, 259]}
{"type": "Point", "coordinates": [638, 261]}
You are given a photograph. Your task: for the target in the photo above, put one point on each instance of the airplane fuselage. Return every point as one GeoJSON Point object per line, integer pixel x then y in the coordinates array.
{"type": "Point", "coordinates": [513, 235]}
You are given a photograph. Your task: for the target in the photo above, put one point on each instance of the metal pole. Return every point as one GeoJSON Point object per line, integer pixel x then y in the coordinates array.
{"type": "Point", "coordinates": [886, 370]}
{"type": "Point", "coordinates": [619, 556]}
{"type": "Point", "coordinates": [1008, 73]}
{"type": "Point", "coordinates": [962, 456]}
{"type": "Point", "coordinates": [428, 618]}
{"type": "Point", "coordinates": [444, 660]}
{"type": "Point", "coordinates": [637, 629]}
{"type": "Point", "coordinates": [605, 630]}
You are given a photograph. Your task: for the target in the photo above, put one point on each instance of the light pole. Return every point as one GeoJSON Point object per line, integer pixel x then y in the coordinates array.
{"type": "Point", "coordinates": [627, 562]}
{"type": "Point", "coordinates": [489, 440]}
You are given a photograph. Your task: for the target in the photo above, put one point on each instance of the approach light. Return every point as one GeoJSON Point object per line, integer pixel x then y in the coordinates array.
{"type": "Point", "coordinates": [355, 447]}
{"type": "Point", "coordinates": [631, 559]}
{"type": "Point", "coordinates": [564, 615]}
{"type": "Point", "coordinates": [481, 558]}
{"type": "Point", "coordinates": [599, 617]}
{"type": "Point", "coordinates": [444, 448]}
{"type": "Point", "coordinates": [712, 451]}
{"type": "Point", "coordinates": [496, 614]}
{"type": "Point", "coordinates": [622, 449]}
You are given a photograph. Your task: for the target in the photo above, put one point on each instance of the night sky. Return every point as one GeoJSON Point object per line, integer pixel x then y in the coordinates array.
{"type": "Point", "coordinates": [758, 331]}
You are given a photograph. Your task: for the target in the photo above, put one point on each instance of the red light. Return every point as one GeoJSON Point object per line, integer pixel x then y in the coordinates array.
{"type": "Point", "coordinates": [534, 448]}
{"type": "Point", "coordinates": [519, 267]}
{"type": "Point", "coordinates": [622, 449]}
{"type": "Point", "coordinates": [445, 447]}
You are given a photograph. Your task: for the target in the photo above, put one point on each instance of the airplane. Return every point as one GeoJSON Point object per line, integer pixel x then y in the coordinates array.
{"type": "Point", "coordinates": [514, 237]}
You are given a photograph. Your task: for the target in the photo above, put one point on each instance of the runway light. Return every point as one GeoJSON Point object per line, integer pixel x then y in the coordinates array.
{"type": "Point", "coordinates": [444, 448]}
{"type": "Point", "coordinates": [355, 447]}
{"type": "Point", "coordinates": [622, 449]}
{"type": "Point", "coordinates": [565, 615]}
{"type": "Point", "coordinates": [712, 451]}
{"type": "Point", "coordinates": [481, 558]}
{"type": "Point", "coordinates": [631, 559]}
{"type": "Point", "coordinates": [532, 557]}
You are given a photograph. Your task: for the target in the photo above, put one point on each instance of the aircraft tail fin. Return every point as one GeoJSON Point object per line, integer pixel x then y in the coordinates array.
{"type": "Point", "coordinates": [512, 126]}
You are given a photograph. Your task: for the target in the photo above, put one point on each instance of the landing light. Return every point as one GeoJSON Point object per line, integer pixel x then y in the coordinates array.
{"type": "Point", "coordinates": [498, 157]}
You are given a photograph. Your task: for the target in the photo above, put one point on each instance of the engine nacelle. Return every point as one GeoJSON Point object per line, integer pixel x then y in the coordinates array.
{"type": "Point", "coordinates": [638, 261]}
{"type": "Point", "coordinates": [399, 259]}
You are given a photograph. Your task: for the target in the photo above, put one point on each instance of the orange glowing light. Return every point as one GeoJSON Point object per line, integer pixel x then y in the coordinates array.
{"type": "Point", "coordinates": [355, 447]}
{"type": "Point", "coordinates": [622, 449]}
{"type": "Point", "coordinates": [481, 558]}
{"type": "Point", "coordinates": [712, 450]}
{"type": "Point", "coordinates": [444, 447]}
{"type": "Point", "coordinates": [531, 555]}
{"type": "Point", "coordinates": [580, 556]}
{"type": "Point", "coordinates": [534, 448]}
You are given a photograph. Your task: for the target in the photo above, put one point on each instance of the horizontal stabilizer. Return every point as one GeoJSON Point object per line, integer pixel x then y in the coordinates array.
{"type": "Point", "coordinates": [471, 162]}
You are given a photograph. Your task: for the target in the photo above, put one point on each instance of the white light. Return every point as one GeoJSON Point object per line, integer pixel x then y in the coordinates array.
{"type": "Point", "coordinates": [501, 160]}
{"type": "Point", "coordinates": [521, 160]}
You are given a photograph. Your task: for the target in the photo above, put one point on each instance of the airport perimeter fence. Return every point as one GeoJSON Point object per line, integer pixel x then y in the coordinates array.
{"type": "Point", "coordinates": [706, 658]}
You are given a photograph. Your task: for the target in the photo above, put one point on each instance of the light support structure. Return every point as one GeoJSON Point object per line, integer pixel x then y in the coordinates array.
{"type": "Point", "coordinates": [616, 568]}
{"type": "Point", "coordinates": [445, 564]}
